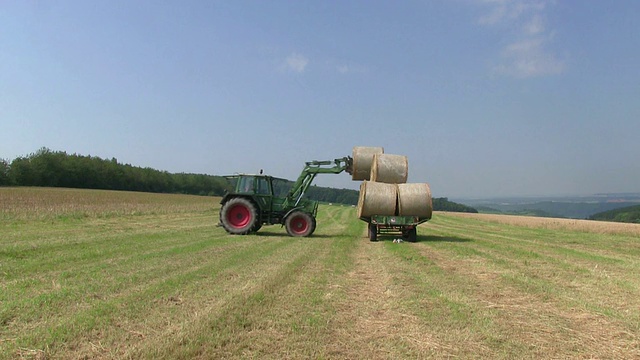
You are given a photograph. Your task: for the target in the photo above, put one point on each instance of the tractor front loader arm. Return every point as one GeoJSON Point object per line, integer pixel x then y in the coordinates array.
{"type": "Point", "coordinates": [313, 168]}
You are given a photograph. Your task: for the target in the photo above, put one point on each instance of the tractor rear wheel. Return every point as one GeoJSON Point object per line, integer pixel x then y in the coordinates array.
{"type": "Point", "coordinates": [238, 216]}
{"type": "Point", "coordinates": [299, 224]}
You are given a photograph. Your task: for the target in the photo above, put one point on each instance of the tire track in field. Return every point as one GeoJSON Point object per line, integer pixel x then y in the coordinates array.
{"type": "Point", "coordinates": [249, 320]}
{"type": "Point", "coordinates": [545, 326]}
{"type": "Point", "coordinates": [259, 307]}
{"type": "Point", "coordinates": [569, 276]}
{"type": "Point", "coordinates": [369, 323]}
{"type": "Point", "coordinates": [603, 248]}
{"type": "Point", "coordinates": [339, 218]}
{"type": "Point", "coordinates": [160, 292]}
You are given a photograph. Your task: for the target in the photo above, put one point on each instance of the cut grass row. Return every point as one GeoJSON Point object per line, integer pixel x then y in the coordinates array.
{"type": "Point", "coordinates": [161, 285]}
{"type": "Point", "coordinates": [164, 282]}
{"type": "Point", "coordinates": [575, 288]}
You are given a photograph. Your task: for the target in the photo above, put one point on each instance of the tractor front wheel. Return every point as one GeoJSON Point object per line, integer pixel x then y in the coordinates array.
{"type": "Point", "coordinates": [299, 224]}
{"type": "Point", "coordinates": [257, 227]}
{"type": "Point", "coordinates": [238, 216]}
{"type": "Point", "coordinates": [313, 225]}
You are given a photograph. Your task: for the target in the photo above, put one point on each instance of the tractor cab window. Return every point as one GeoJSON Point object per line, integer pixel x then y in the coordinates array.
{"type": "Point", "coordinates": [263, 186]}
{"type": "Point", "coordinates": [231, 184]}
{"type": "Point", "coordinates": [245, 184]}
{"type": "Point", "coordinates": [281, 187]}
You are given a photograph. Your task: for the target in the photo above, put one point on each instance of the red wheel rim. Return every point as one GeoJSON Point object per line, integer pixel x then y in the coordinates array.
{"type": "Point", "coordinates": [238, 216]}
{"type": "Point", "coordinates": [299, 225]}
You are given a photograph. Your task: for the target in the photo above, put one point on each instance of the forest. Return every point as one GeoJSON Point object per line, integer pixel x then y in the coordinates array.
{"type": "Point", "coordinates": [59, 169]}
{"type": "Point", "coordinates": [629, 214]}
{"type": "Point", "coordinates": [47, 168]}
{"type": "Point", "coordinates": [443, 204]}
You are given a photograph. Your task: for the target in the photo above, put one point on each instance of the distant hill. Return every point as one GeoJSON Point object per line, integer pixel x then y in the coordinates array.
{"type": "Point", "coordinates": [562, 207]}
{"type": "Point", "coordinates": [443, 204]}
{"type": "Point", "coordinates": [522, 212]}
{"type": "Point", "coordinates": [629, 214]}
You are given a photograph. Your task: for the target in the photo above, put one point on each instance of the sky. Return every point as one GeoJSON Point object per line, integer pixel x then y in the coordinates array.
{"type": "Point", "coordinates": [486, 98]}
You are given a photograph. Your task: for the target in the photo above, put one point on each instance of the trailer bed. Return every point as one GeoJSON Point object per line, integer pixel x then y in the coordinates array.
{"type": "Point", "coordinates": [393, 224]}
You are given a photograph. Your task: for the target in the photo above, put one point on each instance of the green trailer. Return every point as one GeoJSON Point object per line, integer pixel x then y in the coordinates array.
{"type": "Point", "coordinates": [406, 226]}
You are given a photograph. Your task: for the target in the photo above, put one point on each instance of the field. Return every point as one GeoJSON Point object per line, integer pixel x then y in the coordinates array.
{"type": "Point", "coordinates": [112, 275]}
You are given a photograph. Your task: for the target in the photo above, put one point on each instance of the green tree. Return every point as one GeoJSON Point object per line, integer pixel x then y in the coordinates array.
{"type": "Point", "coordinates": [4, 173]}
{"type": "Point", "coordinates": [443, 204]}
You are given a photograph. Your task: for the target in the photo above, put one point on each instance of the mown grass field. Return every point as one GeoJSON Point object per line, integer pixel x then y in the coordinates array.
{"type": "Point", "coordinates": [114, 275]}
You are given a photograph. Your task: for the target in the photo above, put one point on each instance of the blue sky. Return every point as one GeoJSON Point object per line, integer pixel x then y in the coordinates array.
{"type": "Point", "coordinates": [485, 97]}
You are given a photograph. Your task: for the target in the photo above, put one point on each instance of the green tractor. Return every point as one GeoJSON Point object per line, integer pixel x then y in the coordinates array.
{"type": "Point", "coordinates": [264, 200]}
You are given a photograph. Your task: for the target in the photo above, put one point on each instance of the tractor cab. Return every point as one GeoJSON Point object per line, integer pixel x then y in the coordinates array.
{"type": "Point", "coordinates": [258, 185]}
{"type": "Point", "coordinates": [254, 184]}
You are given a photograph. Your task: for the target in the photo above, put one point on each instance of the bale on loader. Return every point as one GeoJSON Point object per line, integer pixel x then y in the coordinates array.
{"type": "Point", "coordinates": [377, 199]}
{"type": "Point", "coordinates": [390, 169]}
{"type": "Point", "coordinates": [415, 200]}
{"type": "Point", "coordinates": [363, 160]}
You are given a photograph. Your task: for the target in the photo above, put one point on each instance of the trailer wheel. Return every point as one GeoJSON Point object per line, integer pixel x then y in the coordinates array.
{"type": "Point", "coordinates": [299, 224]}
{"type": "Point", "coordinates": [238, 216]}
{"type": "Point", "coordinates": [412, 235]}
{"type": "Point", "coordinates": [373, 232]}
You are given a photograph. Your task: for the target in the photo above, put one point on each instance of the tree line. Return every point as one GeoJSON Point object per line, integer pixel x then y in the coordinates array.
{"type": "Point", "coordinates": [58, 169]}
{"type": "Point", "coordinates": [49, 168]}
{"type": "Point", "coordinates": [443, 204]}
{"type": "Point", "coordinates": [629, 214]}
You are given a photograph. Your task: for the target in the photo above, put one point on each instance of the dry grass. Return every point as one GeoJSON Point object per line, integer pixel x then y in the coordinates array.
{"type": "Point", "coordinates": [371, 319]}
{"type": "Point", "coordinates": [29, 203]}
{"type": "Point", "coordinates": [162, 281]}
{"type": "Point", "coordinates": [552, 292]}
{"type": "Point", "coordinates": [599, 227]}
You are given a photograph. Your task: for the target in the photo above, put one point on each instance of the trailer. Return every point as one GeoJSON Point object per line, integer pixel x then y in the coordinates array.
{"type": "Point", "coordinates": [406, 226]}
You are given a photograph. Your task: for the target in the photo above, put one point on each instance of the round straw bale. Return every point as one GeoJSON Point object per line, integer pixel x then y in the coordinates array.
{"type": "Point", "coordinates": [362, 160]}
{"type": "Point", "coordinates": [415, 200]}
{"type": "Point", "coordinates": [391, 169]}
{"type": "Point", "coordinates": [377, 199]}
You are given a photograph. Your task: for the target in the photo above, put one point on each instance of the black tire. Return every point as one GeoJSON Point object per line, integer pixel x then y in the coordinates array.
{"type": "Point", "coordinates": [299, 224]}
{"type": "Point", "coordinates": [412, 235]}
{"type": "Point", "coordinates": [373, 232]}
{"type": "Point", "coordinates": [313, 225]}
{"type": "Point", "coordinates": [257, 226]}
{"type": "Point", "coordinates": [238, 216]}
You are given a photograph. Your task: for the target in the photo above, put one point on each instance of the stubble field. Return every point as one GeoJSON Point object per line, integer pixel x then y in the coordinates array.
{"type": "Point", "coordinates": [113, 275]}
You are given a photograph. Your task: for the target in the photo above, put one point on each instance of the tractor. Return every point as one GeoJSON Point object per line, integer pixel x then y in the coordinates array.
{"type": "Point", "coordinates": [264, 200]}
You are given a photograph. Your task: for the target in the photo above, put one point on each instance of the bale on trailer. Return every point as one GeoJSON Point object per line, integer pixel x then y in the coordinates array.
{"type": "Point", "coordinates": [363, 160]}
{"type": "Point", "coordinates": [390, 169]}
{"type": "Point", "coordinates": [415, 200]}
{"type": "Point", "coordinates": [377, 199]}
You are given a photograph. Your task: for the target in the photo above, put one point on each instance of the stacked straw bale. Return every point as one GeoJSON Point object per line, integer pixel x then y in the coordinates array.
{"type": "Point", "coordinates": [415, 200]}
{"type": "Point", "coordinates": [390, 169]}
{"type": "Point", "coordinates": [377, 199]}
{"type": "Point", "coordinates": [387, 192]}
{"type": "Point", "coordinates": [363, 160]}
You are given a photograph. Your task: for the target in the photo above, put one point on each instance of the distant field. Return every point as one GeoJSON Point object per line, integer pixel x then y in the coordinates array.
{"type": "Point", "coordinates": [601, 227]}
{"type": "Point", "coordinates": [111, 275]}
